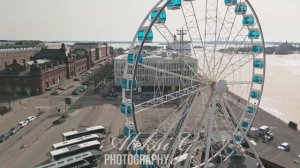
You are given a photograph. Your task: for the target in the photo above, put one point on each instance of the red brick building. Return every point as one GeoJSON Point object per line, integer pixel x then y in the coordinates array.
{"type": "Point", "coordinates": [98, 52]}
{"type": "Point", "coordinates": [48, 68]}
{"type": "Point", "coordinates": [7, 55]}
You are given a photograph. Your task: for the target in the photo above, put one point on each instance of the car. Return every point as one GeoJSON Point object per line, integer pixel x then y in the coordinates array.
{"type": "Point", "coordinates": [76, 79]}
{"type": "Point", "coordinates": [59, 121]}
{"type": "Point", "coordinates": [30, 118]}
{"type": "Point", "coordinates": [76, 92]}
{"type": "Point", "coordinates": [22, 124]}
{"type": "Point", "coordinates": [56, 92]}
{"type": "Point", "coordinates": [284, 147]}
{"type": "Point", "coordinates": [81, 88]}
{"type": "Point", "coordinates": [15, 129]}
{"type": "Point", "coordinates": [40, 113]}
{"type": "Point", "coordinates": [61, 88]}
{"type": "Point", "coordinates": [4, 137]}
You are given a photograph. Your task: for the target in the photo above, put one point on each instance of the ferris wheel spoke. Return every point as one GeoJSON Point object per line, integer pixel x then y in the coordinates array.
{"type": "Point", "coordinates": [210, 28]}
{"type": "Point", "coordinates": [210, 129]}
{"type": "Point", "coordinates": [229, 62]}
{"type": "Point", "coordinates": [231, 127]}
{"type": "Point", "coordinates": [243, 43]}
{"type": "Point", "coordinates": [169, 97]}
{"type": "Point", "coordinates": [226, 119]}
{"type": "Point", "coordinates": [227, 45]}
{"type": "Point", "coordinates": [180, 127]}
{"type": "Point", "coordinates": [218, 38]}
{"type": "Point", "coordinates": [198, 127]}
{"type": "Point", "coordinates": [201, 76]}
{"type": "Point", "coordinates": [230, 111]}
{"type": "Point", "coordinates": [165, 32]}
{"type": "Point", "coordinates": [235, 67]}
{"type": "Point", "coordinates": [229, 18]}
{"type": "Point", "coordinates": [193, 29]}
{"type": "Point", "coordinates": [239, 82]}
{"type": "Point", "coordinates": [236, 100]}
{"type": "Point", "coordinates": [170, 125]}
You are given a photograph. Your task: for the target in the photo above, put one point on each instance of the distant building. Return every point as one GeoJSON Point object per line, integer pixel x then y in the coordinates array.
{"type": "Point", "coordinates": [148, 78]}
{"type": "Point", "coordinates": [20, 53]}
{"type": "Point", "coordinates": [48, 66]}
{"type": "Point", "coordinates": [285, 49]}
{"type": "Point", "coordinates": [47, 69]}
{"type": "Point", "coordinates": [97, 52]}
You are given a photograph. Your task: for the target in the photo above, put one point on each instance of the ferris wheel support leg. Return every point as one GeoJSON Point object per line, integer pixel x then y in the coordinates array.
{"type": "Point", "coordinates": [232, 129]}
{"type": "Point", "coordinates": [206, 110]}
{"type": "Point", "coordinates": [179, 128]}
{"type": "Point", "coordinates": [242, 131]}
{"type": "Point", "coordinates": [210, 127]}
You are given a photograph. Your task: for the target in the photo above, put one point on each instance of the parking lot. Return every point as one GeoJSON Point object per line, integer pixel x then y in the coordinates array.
{"type": "Point", "coordinates": [31, 145]}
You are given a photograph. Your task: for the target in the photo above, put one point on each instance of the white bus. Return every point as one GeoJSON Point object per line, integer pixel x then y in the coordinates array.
{"type": "Point", "coordinates": [79, 140]}
{"type": "Point", "coordinates": [100, 130]}
{"type": "Point", "coordinates": [82, 160]}
{"type": "Point", "coordinates": [179, 161]}
{"type": "Point", "coordinates": [75, 149]}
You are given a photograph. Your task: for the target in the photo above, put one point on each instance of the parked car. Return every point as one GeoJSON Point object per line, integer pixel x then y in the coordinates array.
{"type": "Point", "coordinates": [4, 137]}
{"type": "Point", "coordinates": [76, 79]}
{"type": "Point", "coordinates": [284, 147]}
{"type": "Point", "coordinates": [61, 88]}
{"type": "Point", "coordinates": [30, 118]}
{"type": "Point", "coordinates": [40, 113]}
{"type": "Point", "coordinates": [81, 89]}
{"type": "Point", "coordinates": [15, 129]}
{"type": "Point", "coordinates": [56, 92]}
{"type": "Point", "coordinates": [22, 124]}
{"type": "Point", "coordinates": [76, 92]}
{"type": "Point", "coordinates": [59, 121]}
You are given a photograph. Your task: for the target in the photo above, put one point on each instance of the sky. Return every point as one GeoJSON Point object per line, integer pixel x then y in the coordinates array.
{"type": "Point", "coordinates": [100, 20]}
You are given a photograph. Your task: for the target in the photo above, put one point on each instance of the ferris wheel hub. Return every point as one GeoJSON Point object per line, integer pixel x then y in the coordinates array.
{"type": "Point", "coordinates": [221, 87]}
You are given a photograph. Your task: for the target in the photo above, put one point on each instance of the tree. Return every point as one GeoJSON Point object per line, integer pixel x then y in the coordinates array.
{"type": "Point", "coordinates": [8, 91]}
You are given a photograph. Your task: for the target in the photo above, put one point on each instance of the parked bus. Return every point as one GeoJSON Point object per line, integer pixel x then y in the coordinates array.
{"type": "Point", "coordinates": [179, 161]}
{"type": "Point", "coordinates": [79, 140]}
{"type": "Point", "coordinates": [75, 149]}
{"type": "Point", "coordinates": [82, 160]}
{"type": "Point", "coordinates": [100, 130]}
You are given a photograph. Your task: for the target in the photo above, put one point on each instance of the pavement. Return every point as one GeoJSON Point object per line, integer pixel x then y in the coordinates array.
{"type": "Point", "coordinates": [40, 134]}
{"type": "Point", "coordinates": [282, 133]}
{"type": "Point", "coordinates": [23, 108]}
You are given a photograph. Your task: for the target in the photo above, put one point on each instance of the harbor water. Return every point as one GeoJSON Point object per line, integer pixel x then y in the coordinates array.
{"type": "Point", "coordinates": [281, 96]}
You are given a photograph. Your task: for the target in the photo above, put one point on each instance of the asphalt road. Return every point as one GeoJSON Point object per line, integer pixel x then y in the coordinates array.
{"type": "Point", "coordinates": [27, 107]}
{"type": "Point", "coordinates": [42, 134]}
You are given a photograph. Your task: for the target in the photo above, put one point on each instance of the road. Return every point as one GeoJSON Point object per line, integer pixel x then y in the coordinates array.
{"type": "Point", "coordinates": [42, 134]}
{"type": "Point", "coordinates": [30, 146]}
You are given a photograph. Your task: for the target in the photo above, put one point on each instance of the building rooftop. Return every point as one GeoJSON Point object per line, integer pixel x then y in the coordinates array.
{"type": "Point", "coordinates": [14, 69]}
{"type": "Point", "coordinates": [155, 55]}
{"type": "Point", "coordinates": [51, 54]}
{"type": "Point", "coordinates": [39, 61]}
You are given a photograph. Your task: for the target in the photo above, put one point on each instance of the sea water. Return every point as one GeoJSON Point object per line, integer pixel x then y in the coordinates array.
{"type": "Point", "coordinates": [281, 96]}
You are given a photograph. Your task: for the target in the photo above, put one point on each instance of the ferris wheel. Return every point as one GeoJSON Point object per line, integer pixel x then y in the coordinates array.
{"type": "Point", "coordinates": [199, 95]}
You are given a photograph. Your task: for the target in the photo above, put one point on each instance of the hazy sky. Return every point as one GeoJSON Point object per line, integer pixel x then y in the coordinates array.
{"type": "Point", "coordinates": [118, 19]}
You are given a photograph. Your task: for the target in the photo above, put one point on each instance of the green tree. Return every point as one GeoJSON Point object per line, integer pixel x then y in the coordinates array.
{"type": "Point", "coordinates": [8, 92]}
